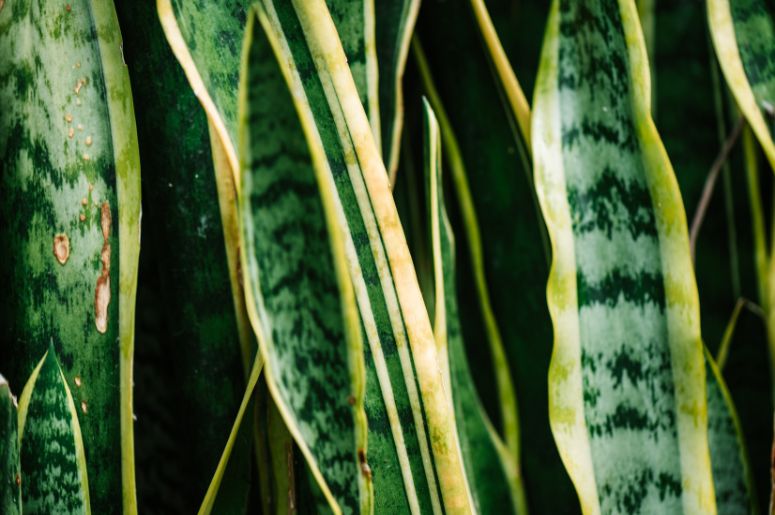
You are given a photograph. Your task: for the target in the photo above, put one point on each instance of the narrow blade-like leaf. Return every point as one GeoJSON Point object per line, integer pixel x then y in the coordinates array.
{"type": "Point", "coordinates": [627, 379]}
{"type": "Point", "coordinates": [299, 295]}
{"type": "Point", "coordinates": [489, 466]}
{"type": "Point", "coordinates": [53, 465]}
{"type": "Point", "coordinates": [70, 211]}
{"type": "Point", "coordinates": [743, 35]}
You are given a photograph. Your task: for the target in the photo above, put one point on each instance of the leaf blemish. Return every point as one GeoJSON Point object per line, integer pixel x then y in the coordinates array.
{"type": "Point", "coordinates": [61, 248]}
{"type": "Point", "coordinates": [365, 469]}
{"type": "Point", "coordinates": [102, 292]}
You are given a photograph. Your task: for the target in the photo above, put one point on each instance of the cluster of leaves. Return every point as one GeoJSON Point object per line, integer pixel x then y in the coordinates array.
{"type": "Point", "coordinates": [311, 336]}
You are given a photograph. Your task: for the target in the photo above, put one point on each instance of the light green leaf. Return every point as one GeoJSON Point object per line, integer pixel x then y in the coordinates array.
{"type": "Point", "coordinates": [732, 476]}
{"type": "Point", "coordinates": [53, 465]}
{"type": "Point", "coordinates": [10, 474]}
{"type": "Point", "coordinates": [490, 468]}
{"type": "Point", "coordinates": [71, 207]}
{"type": "Point", "coordinates": [299, 296]}
{"type": "Point", "coordinates": [395, 25]}
{"type": "Point", "coordinates": [743, 35]}
{"type": "Point", "coordinates": [627, 379]}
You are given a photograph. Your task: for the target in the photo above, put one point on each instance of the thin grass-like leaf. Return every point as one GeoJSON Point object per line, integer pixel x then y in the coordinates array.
{"type": "Point", "coordinates": [743, 35]}
{"type": "Point", "coordinates": [71, 212]}
{"type": "Point", "coordinates": [53, 462]}
{"type": "Point", "coordinates": [627, 379]}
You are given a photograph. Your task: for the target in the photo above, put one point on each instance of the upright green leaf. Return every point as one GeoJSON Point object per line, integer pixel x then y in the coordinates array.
{"type": "Point", "coordinates": [395, 25]}
{"type": "Point", "coordinates": [732, 477]}
{"type": "Point", "coordinates": [10, 475]}
{"type": "Point", "coordinates": [70, 211]}
{"type": "Point", "coordinates": [489, 466]}
{"type": "Point", "coordinates": [206, 38]}
{"type": "Point", "coordinates": [627, 379]}
{"type": "Point", "coordinates": [743, 35]}
{"type": "Point", "coordinates": [183, 218]}
{"type": "Point", "coordinates": [391, 308]}
{"type": "Point", "coordinates": [299, 294]}
{"type": "Point", "coordinates": [53, 465]}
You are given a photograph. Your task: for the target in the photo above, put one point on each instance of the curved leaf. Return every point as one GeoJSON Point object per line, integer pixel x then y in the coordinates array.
{"type": "Point", "coordinates": [71, 208]}
{"type": "Point", "coordinates": [732, 476]}
{"type": "Point", "coordinates": [299, 296]}
{"type": "Point", "coordinates": [10, 475]}
{"type": "Point", "coordinates": [490, 468]}
{"type": "Point", "coordinates": [743, 35]}
{"type": "Point", "coordinates": [53, 465]}
{"type": "Point", "coordinates": [395, 24]}
{"type": "Point", "coordinates": [627, 379]}
{"type": "Point", "coordinates": [206, 38]}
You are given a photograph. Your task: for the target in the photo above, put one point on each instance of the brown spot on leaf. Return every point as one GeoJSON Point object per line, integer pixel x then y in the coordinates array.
{"type": "Point", "coordinates": [82, 217]}
{"type": "Point", "coordinates": [18, 477]}
{"type": "Point", "coordinates": [351, 400]}
{"type": "Point", "coordinates": [84, 407]}
{"type": "Point", "coordinates": [70, 133]}
{"type": "Point", "coordinates": [69, 118]}
{"type": "Point", "coordinates": [102, 292]}
{"type": "Point", "coordinates": [78, 381]}
{"type": "Point", "coordinates": [88, 141]}
{"type": "Point", "coordinates": [61, 248]}
{"type": "Point", "coordinates": [365, 469]}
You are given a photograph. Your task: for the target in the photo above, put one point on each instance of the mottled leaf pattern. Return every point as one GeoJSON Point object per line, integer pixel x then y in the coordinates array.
{"type": "Point", "coordinates": [627, 378]}
{"type": "Point", "coordinates": [54, 477]}
{"type": "Point", "coordinates": [70, 211]}
{"type": "Point", "coordinates": [294, 298]}
{"type": "Point", "coordinates": [487, 463]}
{"type": "Point", "coordinates": [743, 33]}
{"type": "Point", "coordinates": [10, 475]}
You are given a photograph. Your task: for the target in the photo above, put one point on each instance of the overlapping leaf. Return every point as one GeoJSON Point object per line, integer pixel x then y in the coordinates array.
{"type": "Point", "coordinates": [743, 35]}
{"type": "Point", "coordinates": [627, 379]}
{"type": "Point", "coordinates": [70, 211]}
{"type": "Point", "coordinates": [10, 475]}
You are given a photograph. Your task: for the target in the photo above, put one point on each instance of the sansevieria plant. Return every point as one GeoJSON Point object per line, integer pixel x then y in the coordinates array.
{"type": "Point", "coordinates": [385, 257]}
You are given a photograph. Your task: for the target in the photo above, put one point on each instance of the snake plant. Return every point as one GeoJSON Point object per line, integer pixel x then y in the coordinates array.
{"type": "Point", "coordinates": [405, 257]}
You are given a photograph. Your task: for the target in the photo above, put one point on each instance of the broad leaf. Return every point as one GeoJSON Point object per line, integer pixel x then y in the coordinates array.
{"type": "Point", "coordinates": [70, 211]}
{"type": "Point", "coordinates": [53, 465]}
{"type": "Point", "coordinates": [627, 379]}
{"type": "Point", "coordinates": [490, 468]}
{"type": "Point", "coordinates": [10, 475]}
{"type": "Point", "coordinates": [743, 35]}
{"type": "Point", "coordinates": [299, 295]}
{"type": "Point", "coordinates": [395, 25]}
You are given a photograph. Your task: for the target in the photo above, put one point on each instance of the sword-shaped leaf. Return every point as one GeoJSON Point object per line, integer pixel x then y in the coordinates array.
{"type": "Point", "coordinates": [206, 38]}
{"type": "Point", "coordinates": [743, 35]}
{"type": "Point", "coordinates": [490, 468]}
{"type": "Point", "coordinates": [627, 379]}
{"type": "Point", "coordinates": [396, 324]}
{"type": "Point", "coordinates": [300, 298]}
{"type": "Point", "coordinates": [395, 25]}
{"type": "Point", "coordinates": [10, 475]}
{"type": "Point", "coordinates": [53, 465]}
{"type": "Point", "coordinates": [732, 476]}
{"type": "Point", "coordinates": [70, 211]}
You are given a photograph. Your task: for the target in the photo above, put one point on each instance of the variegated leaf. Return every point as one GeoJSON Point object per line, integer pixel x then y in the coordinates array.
{"type": "Point", "coordinates": [627, 379]}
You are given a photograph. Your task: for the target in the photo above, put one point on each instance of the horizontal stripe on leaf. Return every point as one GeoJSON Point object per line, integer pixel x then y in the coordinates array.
{"type": "Point", "coordinates": [71, 203]}
{"type": "Point", "coordinates": [627, 385]}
